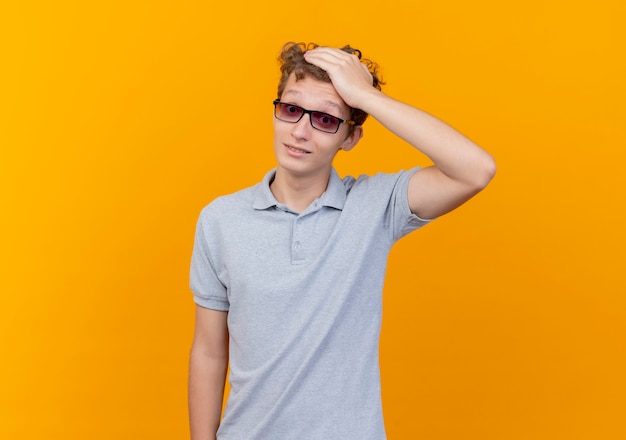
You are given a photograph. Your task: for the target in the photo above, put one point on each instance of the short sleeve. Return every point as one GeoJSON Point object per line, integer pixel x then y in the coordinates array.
{"type": "Point", "coordinates": [209, 291]}
{"type": "Point", "coordinates": [403, 221]}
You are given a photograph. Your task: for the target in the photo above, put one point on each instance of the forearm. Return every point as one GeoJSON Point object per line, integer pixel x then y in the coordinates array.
{"type": "Point", "coordinates": [452, 153]}
{"type": "Point", "coordinates": [455, 157]}
{"type": "Point", "coordinates": [207, 377]}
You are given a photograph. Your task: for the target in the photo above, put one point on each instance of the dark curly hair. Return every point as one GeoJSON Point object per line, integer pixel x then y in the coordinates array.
{"type": "Point", "coordinates": [292, 60]}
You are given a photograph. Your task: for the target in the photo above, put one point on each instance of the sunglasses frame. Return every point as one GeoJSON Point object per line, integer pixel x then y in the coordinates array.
{"type": "Point", "coordinates": [310, 113]}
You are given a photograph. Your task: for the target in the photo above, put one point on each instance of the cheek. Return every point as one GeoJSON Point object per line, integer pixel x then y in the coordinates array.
{"type": "Point", "coordinates": [278, 129]}
{"type": "Point", "coordinates": [332, 148]}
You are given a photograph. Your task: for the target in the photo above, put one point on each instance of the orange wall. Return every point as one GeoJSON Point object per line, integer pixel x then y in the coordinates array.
{"type": "Point", "coordinates": [120, 120]}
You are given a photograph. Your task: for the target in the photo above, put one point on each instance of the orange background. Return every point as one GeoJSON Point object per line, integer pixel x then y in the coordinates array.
{"type": "Point", "coordinates": [121, 120]}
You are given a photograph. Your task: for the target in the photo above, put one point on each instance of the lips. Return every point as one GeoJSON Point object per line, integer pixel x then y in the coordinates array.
{"type": "Point", "coordinates": [296, 150]}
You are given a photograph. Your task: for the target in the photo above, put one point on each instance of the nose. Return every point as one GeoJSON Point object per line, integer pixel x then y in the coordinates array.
{"type": "Point", "coordinates": [302, 128]}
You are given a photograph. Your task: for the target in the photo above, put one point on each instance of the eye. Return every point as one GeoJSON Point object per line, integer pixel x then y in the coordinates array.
{"type": "Point", "coordinates": [326, 121]}
{"type": "Point", "coordinates": [289, 112]}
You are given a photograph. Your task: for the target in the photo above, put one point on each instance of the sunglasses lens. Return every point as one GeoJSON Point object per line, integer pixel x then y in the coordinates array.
{"type": "Point", "coordinates": [319, 120]}
{"type": "Point", "coordinates": [324, 122]}
{"type": "Point", "coordinates": [289, 113]}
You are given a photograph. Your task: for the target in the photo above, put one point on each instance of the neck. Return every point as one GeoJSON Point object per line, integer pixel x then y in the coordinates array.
{"type": "Point", "coordinates": [298, 192]}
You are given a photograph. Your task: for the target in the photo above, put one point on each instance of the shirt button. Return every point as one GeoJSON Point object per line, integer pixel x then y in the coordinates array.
{"type": "Point", "coordinates": [297, 245]}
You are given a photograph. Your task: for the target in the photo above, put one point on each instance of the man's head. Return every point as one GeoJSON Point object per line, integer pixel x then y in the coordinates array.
{"type": "Point", "coordinates": [292, 61]}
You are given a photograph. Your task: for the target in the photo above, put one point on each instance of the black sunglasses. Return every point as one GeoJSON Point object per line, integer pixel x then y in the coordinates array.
{"type": "Point", "coordinates": [319, 120]}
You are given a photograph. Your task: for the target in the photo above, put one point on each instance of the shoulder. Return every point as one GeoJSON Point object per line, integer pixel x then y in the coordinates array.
{"type": "Point", "coordinates": [226, 206]}
{"type": "Point", "coordinates": [384, 182]}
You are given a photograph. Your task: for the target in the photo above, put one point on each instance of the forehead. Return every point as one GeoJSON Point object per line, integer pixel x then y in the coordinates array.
{"type": "Point", "coordinates": [314, 94]}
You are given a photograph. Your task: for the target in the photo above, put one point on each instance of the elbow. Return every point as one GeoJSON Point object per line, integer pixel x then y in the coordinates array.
{"type": "Point", "coordinates": [485, 173]}
{"type": "Point", "coordinates": [490, 169]}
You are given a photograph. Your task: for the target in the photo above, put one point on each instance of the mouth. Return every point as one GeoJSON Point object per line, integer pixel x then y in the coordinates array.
{"type": "Point", "coordinates": [296, 150]}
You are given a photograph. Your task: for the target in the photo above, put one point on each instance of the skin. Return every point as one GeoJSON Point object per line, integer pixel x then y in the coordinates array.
{"type": "Point", "coordinates": [304, 154]}
{"type": "Point", "coordinates": [460, 168]}
{"type": "Point", "coordinates": [304, 159]}
{"type": "Point", "coordinates": [208, 364]}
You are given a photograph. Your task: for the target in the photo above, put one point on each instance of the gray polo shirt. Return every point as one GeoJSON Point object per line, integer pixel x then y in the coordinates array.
{"type": "Point", "coordinates": [303, 293]}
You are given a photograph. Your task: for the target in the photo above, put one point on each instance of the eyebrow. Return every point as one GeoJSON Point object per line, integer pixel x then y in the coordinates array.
{"type": "Point", "coordinates": [325, 102]}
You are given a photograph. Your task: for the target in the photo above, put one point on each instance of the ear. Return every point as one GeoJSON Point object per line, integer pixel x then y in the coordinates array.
{"type": "Point", "coordinates": [353, 138]}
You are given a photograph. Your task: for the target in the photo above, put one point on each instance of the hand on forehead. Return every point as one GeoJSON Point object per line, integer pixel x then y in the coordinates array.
{"type": "Point", "coordinates": [349, 76]}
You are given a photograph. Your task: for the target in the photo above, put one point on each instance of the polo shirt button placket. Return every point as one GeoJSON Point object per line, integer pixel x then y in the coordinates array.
{"type": "Point", "coordinates": [297, 252]}
{"type": "Point", "coordinates": [297, 246]}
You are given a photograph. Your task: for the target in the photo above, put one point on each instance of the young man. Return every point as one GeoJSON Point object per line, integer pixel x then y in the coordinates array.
{"type": "Point", "coordinates": [288, 274]}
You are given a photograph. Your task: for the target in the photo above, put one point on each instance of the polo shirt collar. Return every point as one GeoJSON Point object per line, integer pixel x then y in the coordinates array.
{"type": "Point", "coordinates": [334, 196]}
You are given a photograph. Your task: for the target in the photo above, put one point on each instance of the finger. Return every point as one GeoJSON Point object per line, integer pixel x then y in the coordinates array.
{"type": "Point", "coordinates": [331, 51]}
{"type": "Point", "coordinates": [324, 62]}
{"type": "Point", "coordinates": [330, 55]}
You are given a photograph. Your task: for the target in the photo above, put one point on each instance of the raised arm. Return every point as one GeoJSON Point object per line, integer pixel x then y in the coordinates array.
{"type": "Point", "coordinates": [461, 168]}
{"type": "Point", "coordinates": [208, 363]}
